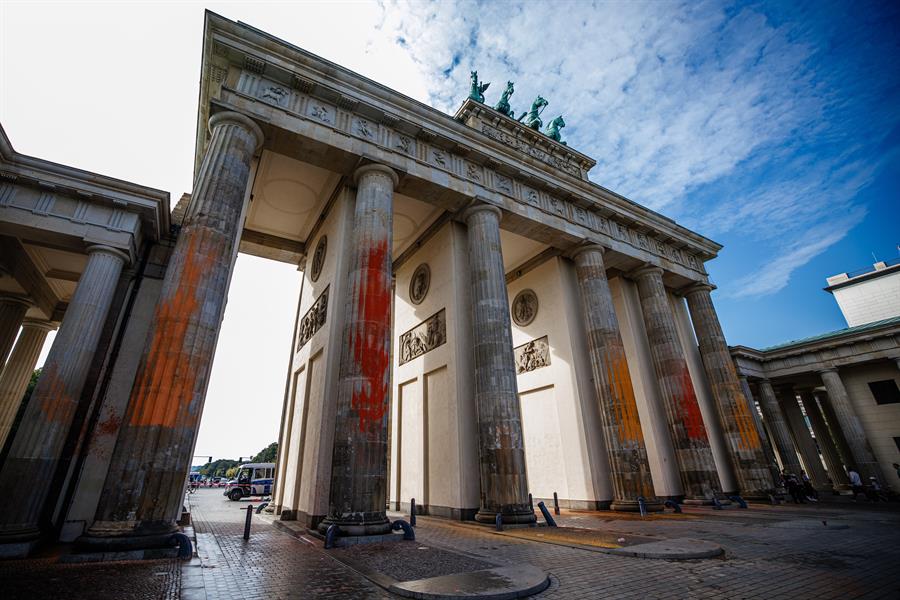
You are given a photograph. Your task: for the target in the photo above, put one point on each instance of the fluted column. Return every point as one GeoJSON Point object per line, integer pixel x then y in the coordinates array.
{"type": "Point", "coordinates": [143, 491]}
{"type": "Point", "coordinates": [771, 463]}
{"type": "Point", "coordinates": [774, 417]}
{"type": "Point", "coordinates": [359, 460]}
{"type": "Point", "coordinates": [862, 456]}
{"type": "Point", "coordinates": [35, 450]}
{"type": "Point", "coordinates": [803, 438]}
{"type": "Point", "coordinates": [504, 485]}
{"type": "Point", "coordinates": [17, 372]}
{"type": "Point", "coordinates": [696, 464]}
{"type": "Point", "coordinates": [12, 312]}
{"type": "Point", "coordinates": [737, 422]}
{"type": "Point", "coordinates": [629, 469]}
{"type": "Point", "coordinates": [826, 442]}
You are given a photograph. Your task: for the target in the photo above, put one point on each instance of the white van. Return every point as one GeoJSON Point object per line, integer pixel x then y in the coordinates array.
{"type": "Point", "coordinates": [253, 479]}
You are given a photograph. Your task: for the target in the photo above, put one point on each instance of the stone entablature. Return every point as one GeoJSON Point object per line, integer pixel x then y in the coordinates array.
{"type": "Point", "coordinates": [70, 202]}
{"type": "Point", "coordinates": [310, 91]}
{"type": "Point", "coordinates": [877, 343]}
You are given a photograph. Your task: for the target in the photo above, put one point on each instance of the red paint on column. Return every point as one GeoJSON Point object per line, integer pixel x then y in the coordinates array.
{"type": "Point", "coordinates": [369, 348]}
{"type": "Point", "coordinates": [690, 408]}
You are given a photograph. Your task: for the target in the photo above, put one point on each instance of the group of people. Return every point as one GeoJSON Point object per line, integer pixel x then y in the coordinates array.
{"type": "Point", "coordinates": [800, 489]}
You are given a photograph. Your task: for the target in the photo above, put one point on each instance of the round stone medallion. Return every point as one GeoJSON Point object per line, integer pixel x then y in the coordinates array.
{"type": "Point", "coordinates": [318, 259]}
{"type": "Point", "coordinates": [524, 307]}
{"type": "Point", "coordinates": [418, 285]}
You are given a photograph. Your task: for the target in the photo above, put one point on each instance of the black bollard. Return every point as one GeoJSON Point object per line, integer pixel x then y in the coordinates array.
{"type": "Point", "coordinates": [555, 504]}
{"type": "Point", "coordinates": [546, 513]}
{"type": "Point", "coordinates": [498, 522]}
{"type": "Point", "coordinates": [247, 522]}
{"type": "Point", "coordinates": [412, 512]}
{"type": "Point", "coordinates": [531, 502]}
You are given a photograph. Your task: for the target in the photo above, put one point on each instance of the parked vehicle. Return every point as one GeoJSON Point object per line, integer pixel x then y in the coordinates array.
{"type": "Point", "coordinates": [253, 479]}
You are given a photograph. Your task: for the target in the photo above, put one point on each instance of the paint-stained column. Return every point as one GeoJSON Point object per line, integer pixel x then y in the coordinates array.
{"type": "Point", "coordinates": [142, 495]}
{"type": "Point", "coordinates": [862, 456]}
{"type": "Point", "coordinates": [747, 456]}
{"type": "Point", "coordinates": [771, 463]}
{"type": "Point", "coordinates": [26, 475]}
{"type": "Point", "coordinates": [359, 461]}
{"type": "Point", "coordinates": [504, 486]}
{"type": "Point", "coordinates": [629, 469]}
{"type": "Point", "coordinates": [17, 372]}
{"type": "Point", "coordinates": [12, 312]}
{"type": "Point", "coordinates": [803, 439]}
{"type": "Point", "coordinates": [696, 464]}
{"type": "Point", "coordinates": [774, 417]}
{"type": "Point", "coordinates": [826, 443]}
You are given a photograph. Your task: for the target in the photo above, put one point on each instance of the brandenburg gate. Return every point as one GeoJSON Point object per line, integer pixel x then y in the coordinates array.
{"type": "Point", "coordinates": [478, 321]}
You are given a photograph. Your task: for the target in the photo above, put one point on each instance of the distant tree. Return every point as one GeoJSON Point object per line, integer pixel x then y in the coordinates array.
{"type": "Point", "coordinates": [231, 473]}
{"type": "Point", "coordinates": [267, 454]}
{"type": "Point", "coordinates": [217, 468]}
{"type": "Point", "coordinates": [31, 383]}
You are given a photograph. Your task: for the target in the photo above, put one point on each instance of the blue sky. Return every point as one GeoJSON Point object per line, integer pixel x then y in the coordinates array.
{"type": "Point", "coordinates": [770, 127]}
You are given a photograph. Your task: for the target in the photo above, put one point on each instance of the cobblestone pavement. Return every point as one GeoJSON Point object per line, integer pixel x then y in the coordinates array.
{"type": "Point", "coordinates": [46, 579]}
{"type": "Point", "coordinates": [771, 552]}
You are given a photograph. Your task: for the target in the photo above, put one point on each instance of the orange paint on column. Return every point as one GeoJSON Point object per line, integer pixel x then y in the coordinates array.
{"type": "Point", "coordinates": [690, 408]}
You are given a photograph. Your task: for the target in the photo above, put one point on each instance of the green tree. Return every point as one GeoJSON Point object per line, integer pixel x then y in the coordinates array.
{"type": "Point", "coordinates": [217, 468]}
{"type": "Point", "coordinates": [267, 454]}
{"type": "Point", "coordinates": [231, 473]}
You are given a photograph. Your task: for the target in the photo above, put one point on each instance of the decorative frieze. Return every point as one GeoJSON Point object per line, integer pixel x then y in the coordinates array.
{"type": "Point", "coordinates": [424, 337]}
{"type": "Point", "coordinates": [313, 320]}
{"type": "Point", "coordinates": [421, 146]}
{"type": "Point", "coordinates": [318, 259]}
{"type": "Point", "coordinates": [419, 283]}
{"type": "Point", "coordinates": [532, 355]}
{"type": "Point", "coordinates": [524, 308]}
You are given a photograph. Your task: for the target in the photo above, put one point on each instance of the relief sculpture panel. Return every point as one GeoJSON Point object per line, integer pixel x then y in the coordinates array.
{"type": "Point", "coordinates": [424, 337]}
{"type": "Point", "coordinates": [533, 355]}
{"type": "Point", "coordinates": [313, 320]}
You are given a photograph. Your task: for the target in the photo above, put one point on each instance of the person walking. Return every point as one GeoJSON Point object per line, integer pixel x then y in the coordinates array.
{"type": "Point", "coordinates": [855, 482]}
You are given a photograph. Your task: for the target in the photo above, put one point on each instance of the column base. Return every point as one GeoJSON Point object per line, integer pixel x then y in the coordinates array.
{"type": "Point", "coordinates": [654, 505]}
{"type": "Point", "coordinates": [123, 537]}
{"type": "Point", "coordinates": [359, 524]}
{"type": "Point", "coordinates": [18, 543]}
{"type": "Point", "coordinates": [512, 515]}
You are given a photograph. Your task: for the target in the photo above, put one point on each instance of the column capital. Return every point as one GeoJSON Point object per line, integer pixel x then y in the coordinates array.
{"type": "Point", "coordinates": [235, 118]}
{"type": "Point", "coordinates": [481, 208]}
{"type": "Point", "coordinates": [14, 299]}
{"type": "Point", "coordinates": [100, 248]}
{"type": "Point", "coordinates": [39, 324]}
{"type": "Point", "coordinates": [375, 168]}
{"type": "Point", "coordinates": [587, 248]}
{"type": "Point", "coordinates": [646, 271]}
{"type": "Point", "coordinates": [694, 288]}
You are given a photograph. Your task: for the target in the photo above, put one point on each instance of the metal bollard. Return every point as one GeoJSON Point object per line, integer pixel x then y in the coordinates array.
{"type": "Point", "coordinates": [673, 505]}
{"type": "Point", "coordinates": [546, 513]}
{"type": "Point", "coordinates": [332, 532]}
{"type": "Point", "coordinates": [555, 504]}
{"type": "Point", "coordinates": [408, 533]}
{"type": "Point", "coordinates": [498, 522]}
{"type": "Point", "coordinates": [740, 501]}
{"type": "Point", "coordinates": [247, 522]}
{"type": "Point", "coordinates": [531, 502]}
{"type": "Point", "coordinates": [642, 505]}
{"type": "Point", "coordinates": [412, 512]}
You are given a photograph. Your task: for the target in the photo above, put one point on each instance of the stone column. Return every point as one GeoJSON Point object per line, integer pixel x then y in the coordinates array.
{"type": "Point", "coordinates": [774, 417]}
{"type": "Point", "coordinates": [26, 475]}
{"type": "Point", "coordinates": [142, 495]}
{"type": "Point", "coordinates": [696, 464]}
{"type": "Point", "coordinates": [826, 442]}
{"type": "Point", "coordinates": [862, 456]}
{"type": "Point", "coordinates": [771, 463]}
{"type": "Point", "coordinates": [629, 469]}
{"type": "Point", "coordinates": [504, 484]}
{"type": "Point", "coordinates": [17, 372]}
{"type": "Point", "coordinates": [836, 434]}
{"type": "Point", "coordinates": [12, 312]}
{"type": "Point", "coordinates": [738, 426]}
{"type": "Point", "coordinates": [359, 460]}
{"type": "Point", "coordinates": [803, 439]}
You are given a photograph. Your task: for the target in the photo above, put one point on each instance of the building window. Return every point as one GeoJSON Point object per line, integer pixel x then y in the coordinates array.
{"type": "Point", "coordinates": [885, 392]}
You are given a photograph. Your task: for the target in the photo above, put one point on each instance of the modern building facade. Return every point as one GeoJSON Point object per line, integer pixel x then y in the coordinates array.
{"type": "Point", "coordinates": [478, 321]}
{"type": "Point", "coordinates": [847, 383]}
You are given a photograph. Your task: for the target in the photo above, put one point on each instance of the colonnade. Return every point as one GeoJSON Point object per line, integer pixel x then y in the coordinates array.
{"type": "Point", "coordinates": [142, 493]}
{"type": "Point", "coordinates": [827, 425]}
